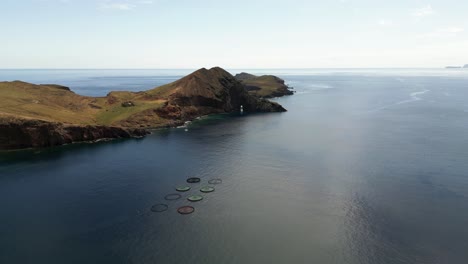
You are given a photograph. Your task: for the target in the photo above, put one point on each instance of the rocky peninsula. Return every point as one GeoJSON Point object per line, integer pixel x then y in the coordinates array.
{"type": "Point", "coordinates": [50, 115]}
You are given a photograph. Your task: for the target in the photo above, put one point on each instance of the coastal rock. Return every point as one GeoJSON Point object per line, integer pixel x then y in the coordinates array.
{"type": "Point", "coordinates": [128, 104]}
{"type": "Point", "coordinates": [18, 133]}
{"type": "Point", "coordinates": [215, 91]}
{"type": "Point", "coordinates": [265, 86]}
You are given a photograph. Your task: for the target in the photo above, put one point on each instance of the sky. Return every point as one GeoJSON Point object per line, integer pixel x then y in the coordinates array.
{"type": "Point", "coordinates": [188, 34]}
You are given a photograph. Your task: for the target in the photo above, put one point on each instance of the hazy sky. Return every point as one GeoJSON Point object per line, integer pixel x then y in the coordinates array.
{"type": "Point", "coordinates": [232, 34]}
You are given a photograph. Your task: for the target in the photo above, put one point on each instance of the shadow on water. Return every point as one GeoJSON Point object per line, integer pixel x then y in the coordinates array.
{"type": "Point", "coordinates": [92, 148]}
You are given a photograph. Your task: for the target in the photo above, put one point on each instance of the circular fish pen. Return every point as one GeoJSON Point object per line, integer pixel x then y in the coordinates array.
{"type": "Point", "coordinates": [207, 189]}
{"type": "Point", "coordinates": [158, 208]}
{"type": "Point", "coordinates": [185, 210]}
{"type": "Point", "coordinates": [215, 181]}
{"type": "Point", "coordinates": [193, 180]}
{"type": "Point", "coordinates": [183, 189]}
{"type": "Point", "coordinates": [172, 197]}
{"type": "Point", "coordinates": [195, 198]}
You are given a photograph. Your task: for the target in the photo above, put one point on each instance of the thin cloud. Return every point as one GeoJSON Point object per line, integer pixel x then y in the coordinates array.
{"type": "Point", "coordinates": [423, 12]}
{"type": "Point", "coordinates": [385, 22]}
{"type": "Point", "coordinates": [443, 33]}
{"type": "Point", "coordinates": [123, 5]}
{"type": "Point", "coordinates": [119, 6]}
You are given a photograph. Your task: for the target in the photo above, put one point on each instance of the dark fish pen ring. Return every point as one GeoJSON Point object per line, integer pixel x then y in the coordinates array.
{"type": "Point", "coordinates": [185, 210]}
{"type": "Point", "coordinates": [158, 208]}
{"type": "Point", "coordinates": [193, 180]}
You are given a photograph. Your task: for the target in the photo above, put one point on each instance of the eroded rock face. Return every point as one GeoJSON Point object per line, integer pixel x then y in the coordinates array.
{"type": "Point", "coordinates": [21, 133]}
{"type": "Point", "coordinates": [213, 91]}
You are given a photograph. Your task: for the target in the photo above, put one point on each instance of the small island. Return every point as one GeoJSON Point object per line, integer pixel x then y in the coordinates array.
{"type": "Point", "coordinates": [50, 115]}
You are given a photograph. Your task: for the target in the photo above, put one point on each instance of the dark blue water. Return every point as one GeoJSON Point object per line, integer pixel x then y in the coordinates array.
{"type": "Point", "coordinates": [367, 166]}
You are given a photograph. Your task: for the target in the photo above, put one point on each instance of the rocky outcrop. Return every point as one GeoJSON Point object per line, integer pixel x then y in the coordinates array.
{"type": "Point", "coordinates": [127, 104]}
{"type": "Point", "coordinates": [23, 133]}
{"type": "Point", "coordinates": [212, 91]}
{"type": "Point", "coordinates": [265, 86]}
{"type": "Point", "coordinates": [244, 76]}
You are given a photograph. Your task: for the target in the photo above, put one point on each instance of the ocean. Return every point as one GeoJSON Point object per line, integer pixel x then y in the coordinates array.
{"type": "Point", "coordinates": [367, 166]}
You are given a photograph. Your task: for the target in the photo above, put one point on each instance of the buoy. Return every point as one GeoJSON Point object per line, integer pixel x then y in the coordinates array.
{"type": "Point", "coordinates": [195, 198]}
{"type": "Point", "coordinates": [158, 208]}
{"type": "Point", "coordinates": [193, 180]}
{"type": "Point", "coordinates": [185, 210]}
{"type": "Point", "coordinates": [183, 189]}
{"type": "Point", "coordinates": [207, 189]}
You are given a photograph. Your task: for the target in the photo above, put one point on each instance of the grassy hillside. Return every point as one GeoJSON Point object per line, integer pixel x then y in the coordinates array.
{"type": "Point", "coordinates": [202, 92]}
{"type": "Point", "coordinates": [52, 103]}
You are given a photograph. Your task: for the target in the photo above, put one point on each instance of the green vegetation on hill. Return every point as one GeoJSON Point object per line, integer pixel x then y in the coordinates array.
{"type": "Point", "coordinates": [54, 104]}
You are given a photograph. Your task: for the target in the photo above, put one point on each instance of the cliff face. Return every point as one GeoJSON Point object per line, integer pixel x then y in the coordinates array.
{"type": "Point", "coordinates": [265, 86]}
{"type": "Point", "coordinates": [21, 133]}
{"type": "Point", "coordinates": [216, 90]}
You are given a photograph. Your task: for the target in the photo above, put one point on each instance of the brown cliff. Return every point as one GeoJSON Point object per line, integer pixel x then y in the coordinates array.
{"type": "Point", "coordinates": [23, 133]}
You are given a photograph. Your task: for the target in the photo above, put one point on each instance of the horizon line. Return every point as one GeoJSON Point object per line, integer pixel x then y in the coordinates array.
{"type": "Point", "coordinates": [246, 68]}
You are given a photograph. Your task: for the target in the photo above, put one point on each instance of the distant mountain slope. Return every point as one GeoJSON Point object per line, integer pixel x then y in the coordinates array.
{"type": "Point", "coordinates": [265, 86]}
{"type": "Point", "coordinates": [46, 110]}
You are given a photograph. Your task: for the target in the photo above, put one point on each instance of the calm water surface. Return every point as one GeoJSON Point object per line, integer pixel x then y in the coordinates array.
{"type": "Point", "coordinates": [367, 166]}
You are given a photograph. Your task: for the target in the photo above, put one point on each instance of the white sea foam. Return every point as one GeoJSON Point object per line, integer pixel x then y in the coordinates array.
{"type": "Point", "coordinates": [301, 92]}
{"type": "Point", "coordinates": [415, 94]}
{"type": "Point", "coordinates": [319, 86]}
{"type": "Point", "coordinates": [414, 97]}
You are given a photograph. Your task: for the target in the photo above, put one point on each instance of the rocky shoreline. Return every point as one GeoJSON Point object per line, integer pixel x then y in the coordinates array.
{"type": "Point", "coordinates": [23, 133]}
